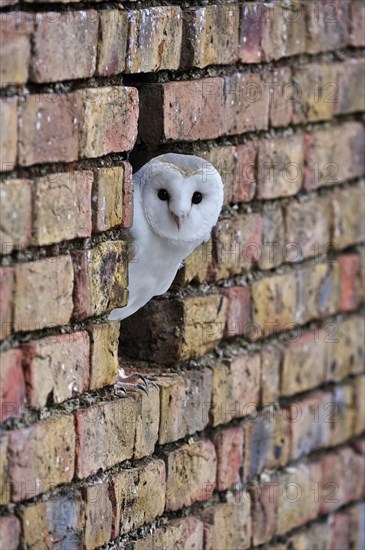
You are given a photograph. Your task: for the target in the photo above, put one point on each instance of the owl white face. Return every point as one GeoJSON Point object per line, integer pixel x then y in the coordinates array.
{"type": "Point", "coordinates": [179, 204]}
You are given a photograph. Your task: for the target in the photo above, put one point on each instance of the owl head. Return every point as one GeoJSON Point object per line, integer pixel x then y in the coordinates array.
{"type": "Point", "coordinates": [181, 195]}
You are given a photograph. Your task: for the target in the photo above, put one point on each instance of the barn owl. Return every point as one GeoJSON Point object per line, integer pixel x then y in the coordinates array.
{"type": "Point", "coordinates": [177, 201]}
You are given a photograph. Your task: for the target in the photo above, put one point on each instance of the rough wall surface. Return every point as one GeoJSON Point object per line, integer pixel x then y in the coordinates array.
{"type": "Point", "coordinates": [255, 434]}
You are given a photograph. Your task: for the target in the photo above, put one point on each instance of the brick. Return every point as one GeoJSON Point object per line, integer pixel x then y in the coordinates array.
{"type": "Point", "coordinates": [41, 457]}
{"type": "Point", "coordinates": [62, 207]}
{"type": "Point", "coordinates": [56, 368]}
{"type": "Point", "coordinates": [348, 217]}
{"type": "Point", "coordinates": [346, 355]}
{"type": "Point", "coordinates": [340, 531]}
{"type": "Point", "coordinates": [273, 305]}
{"type": "Point", "coordinates": [5, 484]}
{"type": "Point", "coordinates": [280, 167]}
{"type": "Point", "coordinates": [229, 449]}
{"type": "Point", "coordinates": [183, 111]}
{"type": "Point", "coordinates": [342, 414]}
{"type": "Point", "coordinates": [52, 278]}
{"type": "Point", "coordinates": [184, 403]}
{"type": "Point", "coordinates": [190, 474]}
{"type": "Point", "coordinates": [334, 155]}
{"type": "Point", "coordinates": [104, 354]}
{"type": "Point", "coordinates": [105, 435]}
{"type": "Point", "coordinates": [304, 364]}
{"type": "Point", "coordinates": [236, 388]}
{"type": "Point", "coordinates": [357, 536]}
{"type": "Point", "coordinates": [49, 128]}
{"type": "Point", "coordinates": [148, 422]}
{"type": "Point", "coordinates": [139, 495]}
{"type": "Point", "coordinates": [12, 384]}
{"type": "Point", "coordinates": [110, 120]}
{"type": "Point", "coordinates": [357, 23]}
{"type": "Point", "coordinates": [314, 92]}
{"type": "Point", "coordinates": [273, 252]}
{"type": "Point", "coordinates": [8, 142]}
{"type": "Point", "coordinates": [100, 278]}
{"type": "Point", "coordinates": [282, 96]}
{"type": "Point", "coordinates": [185, 533]}
{"type": "Point", "coordinates": [327, 27]}
{"type": "Point", "coordinates": [317, 535]}
{"type": "Point", "coordinates": [359, 404]}
{"type": "Point", "coordinates": [50, 60]}
{"type": "Point", "coordinates": [244, 186]}
{"type": "Point", "coordinates": [246, 103]}
{"type": "Point", "coordinates": [236, 245]}
{"type": "Point", "coordinates": [112, 44]}
{"type": "Point", "coordinates": [228, 525]}
{"type": "Point", "coordinates": [196, 265]}
{"type": "Point", "coordinates": [350, 282]}
{"type": "Point", "coordinates": [203, 42]}
{"type": "Point", "coordinates": [111, 187]}
{"type": "Point", "coordinates": [16, 28]}
{"type": "Point", "coordinates": [263, 511]}
{"type": "Point", "coordinates": [238, 310]}
{"type": "Point", "coordinates": [9, 532]}
{"type": "Point", "coordinates": [6, 293]}
{"type": "Point", "coordinates": [59, 519]}
{"type": "Point", "coordinates": [255, 30]}
{"type": "Point", "coordinates": [15, 211]}
{"type": "Point", "coordinates": [349, 76]}
{"type": "Point", "coordinates": [199, 321]}
{"type": "Point", "coordinates": [99, 515]}
{"type": "Point", "coordinates": [271, 359]}
{"type": "Point", "coordinates": [154, 39]}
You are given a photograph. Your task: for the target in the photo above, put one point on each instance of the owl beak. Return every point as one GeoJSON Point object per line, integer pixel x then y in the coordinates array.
{"type": "Point", "coordinates": [179, 219]}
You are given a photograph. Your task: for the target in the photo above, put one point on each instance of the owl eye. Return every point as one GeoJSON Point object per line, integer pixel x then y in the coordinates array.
{"type": "Point", "coordinates": [163, 195]}
{"type": "Point", "coordinates": [197, 198]}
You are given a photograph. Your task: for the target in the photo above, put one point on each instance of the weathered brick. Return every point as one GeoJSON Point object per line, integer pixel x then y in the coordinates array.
{"type": "Point", "coordinates": [255, 32]}
{"type": "Point", "coordinates": [238, 310]}
{"type": "Point", "coordinates": [104, 354]}
{"type": "Point", "coordinates": [273, 305]}
{"type": "Point", "coordinates": [357, 535]}
{"type": "Point", "coordinates": [112, 44]}
{"type": "Point", "coordinates": [99, 515]}
{"type": "Point", "coordinates": [51, 61]}
{"type": "Point", "coordinates": [282, 96]}
{"type": "Point", "coordinates": [315, 93]}
{"type": "Point", "coordinates": [16, 28]}
{"type": "Point", "coordinates": [5, 484]}
{"type": "Point", "coordinates": [9, 532]}
{"type": "Point", "coordinates": [183, 111]}
{"type": "Point", "coordinates": [110, 120]}
{"type": "Point", "coordinates": [100, 278]}
{"type": "Point", "coordinates": [236, 388]}
{"type": "Point", "coordinates": [229, 449]}
{"type": "Point", "coordinates": [59, 519]}
{"type": "Point", "coordinates": [357, 23]}
{"type": "Point", "coordinates": [203, 42]}
{"type": "Point", "coordinates": [359, 404]}
{"type": "Point", "coordinates": [244, 186]}
{"type": "Point", "coordinates": [62, 207]}
{"type": "Point", "coordinates": [348, 217]}
{"type": "Point", "coordinates": [105, 435]}
{"type": "Point", "coordinates": [280, 167]}
{"type": "Point", "coordinates": [111, 202]}
{"type": "Point", "coordinates": [56, 368]}
{"type": "Point", "coordinates": [185, 534]}
{"type": "Point", "coordinates": [271, 359]}
{"type": "Point", "coordinates": [139, 495]}
{"type": "Point", "coordinates": [346, 354]}
{"type": "Point", "coordinates": [341, 414]}
{"type": "Point", "coordinates": [246, 103]}
{"type": "Point", "coordinates": [148, 422]}
{"type": "Point", "coordinates": [349, 76]}
{"type": "Point", "coordinates": [12, 384]}
{"type": "Point", "coordinates": [6, 293]}
{"type": "Point", "coordinates": [8, 140]}
{"type": "Point", "coordinates": [317, 535]}
{"type": "Point", "coordinates": [263, 511]}
{"type": "Point", "coordinates": [228, 525]}
{"type": "Point", "coordinates": [196, 265]}
{"type": "Point", "coordinates": [49, 128]}
{"type": "Point", "coordinates": [15, 212]}
{"type": "Point", "coordinates": [272, 248]}
{"type": "Point", "coordinates": [51, 278]}
{"type": "Point", "coordinates": [190, 474]}
{"type": "Point", "coordinates": [327, 27]}
{"type": "Point", "coordinates": [340, 531]}
{"type": "Point", "coordinates": [154, 39]}
{"type": "Point", "coordinates": [41, 457]}
{"type": "Point", "coordinates": [350, 282]}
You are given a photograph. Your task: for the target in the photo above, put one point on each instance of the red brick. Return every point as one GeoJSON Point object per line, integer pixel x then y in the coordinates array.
{"type": "Point", "coordinates": [43, 293]}
{"type": "Point", "coordinates": [15, 211]}
{"type": "Point", "coordinates": [9, 532]}
{"type": "Point", "coordinates": [185, 534]}
{"type": "Point", "coordinates": [154, 39]}
{"type": "Point", "coordinates": [62, 207]}
{"type": "Point", "coordinates": [12, 384]}
{"type": "Point", "coordinates": [16, 28]}
{"type": "Point", "coordinates": [183, 111]}
{"type": "Point", "coordinates": [340, 531]}
{"type": "Point", "coordinates": [8, 141]}
{"type": "Point", "coordinates": [263, 512]}
{"type": "Point", "coordinates": [6, 293]}
{"type": "Point", "coordinates": [59, 519]}
{"type": "Point", "coordinates": [246, 103]}
{"type": "Point", "coordinates": [104, 365]}
{"type": "Point", "coordinates": [349, 282]}
{"type": "Point", "coordinates": [112, 44]}
{"type": "Point", "coordinates": [99, 515]}
{"type": "Point", "coordinates": [229, 448]}
{"type": "Point", "coordinates": [244, 186]}
{"type": "Point", "coordinates": [348, 217]}
{"type": "Point", "coordinates": [282, 97]}
{"type": "Point", "coordinates": [51, 61]}
{"type": "Point", "coordinates": [57, 368]}
{"type": "Point", "coordinates": [236, 388]}
{"type": "Point", "coordinates": [110, 120]}
{"type": "Point", "coordinates": [105, 435]}
{"type": "Point", "coordinates": [349, 76]}
{"type": "Point", "coordinates": [327, 27]}
{"type": "Point", "coordinates": [49, 128]}
{"type": "Point", "coordinates": [190, 474]}
{"type": "Point", "coordinates": [112, 197]}
{"type": "Point", "coordinates": [357, 23]}
{"type": "Point", "coordinates": [314, 92]}
{"type": "Point", "coordinates": [255, 31]}
{"type": "Point", "coordinates": [41, 457]}
{"type": "Point", "coordinates": [238, 310]}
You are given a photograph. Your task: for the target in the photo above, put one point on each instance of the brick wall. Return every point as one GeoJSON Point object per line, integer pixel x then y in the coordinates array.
{"type": "Point", "coordinates": [255, 432]}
